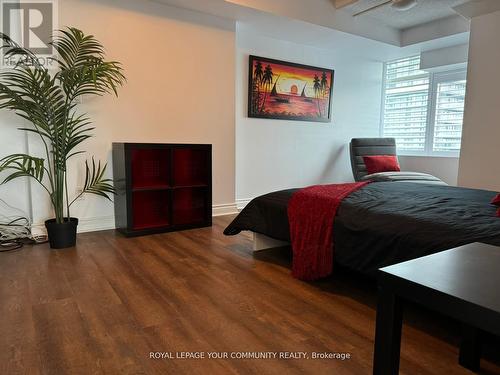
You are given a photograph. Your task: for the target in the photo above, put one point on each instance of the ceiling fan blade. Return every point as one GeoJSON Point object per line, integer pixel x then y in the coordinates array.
{"type": "Point", "coordinates": [372, 8]}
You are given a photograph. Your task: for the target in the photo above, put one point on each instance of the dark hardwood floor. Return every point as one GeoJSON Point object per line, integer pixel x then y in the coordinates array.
{"type": "Point", "coordinates": [103, 307]}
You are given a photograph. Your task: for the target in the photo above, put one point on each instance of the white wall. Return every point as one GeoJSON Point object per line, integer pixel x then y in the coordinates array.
{"type": "Point", "coordinates": [449, 58]}
{"type": "Point", "coordinates": [179, 66]}
{"type": "Point", "coordinates": [13, 199]}
{"type": "Point", "coordinates": [13, 194]}
{"type": "Point", "coordinates": [444, 168]}
{"type": "Point", "coordinates": [277, 154]}
{"type": "Point", "coordinates": [440, 28]}
{"type": "Point", "coordinates": [480, 155]}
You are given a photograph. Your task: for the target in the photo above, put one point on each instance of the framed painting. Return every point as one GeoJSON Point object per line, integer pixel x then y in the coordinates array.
{"type": "Point", "coordinates": [288, 91]}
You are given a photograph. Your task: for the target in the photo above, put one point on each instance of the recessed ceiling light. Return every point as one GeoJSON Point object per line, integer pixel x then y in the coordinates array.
{"type": "Point", "coordinates": [400, 5]}
{"type": "Point", "coordinates": [403, 4]}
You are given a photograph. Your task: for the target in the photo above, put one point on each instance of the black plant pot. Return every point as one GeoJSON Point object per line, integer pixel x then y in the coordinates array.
{"type": "Point", "coordinates": [62, 235]}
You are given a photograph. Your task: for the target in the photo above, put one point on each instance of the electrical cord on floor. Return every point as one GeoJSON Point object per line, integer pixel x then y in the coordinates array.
{"type": "Point", "coordinates": [15, 232]}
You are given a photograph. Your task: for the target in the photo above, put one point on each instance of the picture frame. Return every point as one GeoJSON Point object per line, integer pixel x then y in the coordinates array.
{"type": "Point", "coordinates": [284, 90]}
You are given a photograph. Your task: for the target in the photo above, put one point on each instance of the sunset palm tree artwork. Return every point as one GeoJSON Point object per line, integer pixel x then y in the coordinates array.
{"type": "Point", "coordinates": [317, 92]}
{"type": "Point", "coordinates": [267, 81]}
{"type": "Point", "coordinates": [283, 90]}
{"type": "Point", "coordinates": [258, 74]}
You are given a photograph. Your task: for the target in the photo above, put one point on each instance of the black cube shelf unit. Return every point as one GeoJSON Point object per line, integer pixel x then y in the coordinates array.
{"type": "Point", "coordinates": [162, 187]}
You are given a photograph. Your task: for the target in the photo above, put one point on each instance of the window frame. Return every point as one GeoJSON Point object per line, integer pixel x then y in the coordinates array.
{"type": "Point", "coordinates": [447, 75]}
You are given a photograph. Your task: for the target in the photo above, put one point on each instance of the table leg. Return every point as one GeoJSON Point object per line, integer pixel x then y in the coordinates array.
{"type": "Point", "coordinates": [470, 348]}
{"type": "Point", "coordinates": [388, 333]}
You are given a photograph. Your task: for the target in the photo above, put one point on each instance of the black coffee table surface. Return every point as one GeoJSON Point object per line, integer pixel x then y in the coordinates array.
{"type": "Point", "coordinates": [470, 273]}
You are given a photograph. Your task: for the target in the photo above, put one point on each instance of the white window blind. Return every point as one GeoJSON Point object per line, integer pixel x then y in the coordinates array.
{"type": "Point", "coordinates": [406, 103]}
{"type": "Point", "coordinates": [449, 116]}
{"type": "Point", "coordinates": [423, 111]}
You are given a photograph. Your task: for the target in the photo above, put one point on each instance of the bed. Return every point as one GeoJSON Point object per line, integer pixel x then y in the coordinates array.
{"type": "Point", "coordinates": [387, 222]}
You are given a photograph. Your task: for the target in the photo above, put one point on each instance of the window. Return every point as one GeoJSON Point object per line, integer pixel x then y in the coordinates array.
{"type": "Point", "coordinates": [423, 111]}
{"type": "Point", "coordinates": [449, 113]}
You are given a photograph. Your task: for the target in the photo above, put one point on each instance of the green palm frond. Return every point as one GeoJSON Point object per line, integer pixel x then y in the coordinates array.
{"type": "Point", "coordinates": [95, 183]}
{"type": "Point", "coordinates": [22, 165]}
{"type": "Point", "coordinates": [78, 130]}
{"type": "Point", "coordinates": [12, 49]}
{"type": "Point", "coordinates": [75, 48]}
{"type": "Point", "coordinates": [33, 95]}
{"type": "Point", "coordinates": [83, 69]}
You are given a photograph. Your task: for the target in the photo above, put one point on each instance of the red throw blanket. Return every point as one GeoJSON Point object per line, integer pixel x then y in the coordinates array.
{"type": "Point", "coordinates": [311, 214]}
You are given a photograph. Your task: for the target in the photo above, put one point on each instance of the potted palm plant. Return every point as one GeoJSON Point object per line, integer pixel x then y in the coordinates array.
{"type": "Point", "coordinates": [48, 100]}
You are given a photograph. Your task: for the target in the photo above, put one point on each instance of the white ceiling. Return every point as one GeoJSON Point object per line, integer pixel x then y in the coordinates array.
{"type": "Point", "coordinates": [423, 23]}
{"type": "Point", "coordinates": [305, 32]}
{"type": "Point", "coordinates": [325, 38]}
{"type": "Point", "coordinates": [424, 12]}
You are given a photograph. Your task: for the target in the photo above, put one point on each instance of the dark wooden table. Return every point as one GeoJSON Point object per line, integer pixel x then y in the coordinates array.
{"type": "Point", "coordinates": [463, 283]}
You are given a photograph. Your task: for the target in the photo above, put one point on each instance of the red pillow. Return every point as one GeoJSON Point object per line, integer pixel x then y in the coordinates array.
{"type": "Point", "coordinates": [381, 163]}
{"type": "Point", "coordinates": [496, 200]}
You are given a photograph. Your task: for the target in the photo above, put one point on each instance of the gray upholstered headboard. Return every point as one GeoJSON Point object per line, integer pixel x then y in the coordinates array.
{"type": "Point", "coordinates": [360, 147]}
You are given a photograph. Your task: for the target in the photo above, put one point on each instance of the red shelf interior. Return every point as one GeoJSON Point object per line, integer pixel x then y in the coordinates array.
{"type": "Point", "coordinates": [189, 205]}
{"type": "Point", "coordinates": [150, 209]}
{"type": "Point", "coordinates": [191, 167]}
{"type": "Point", "coordinates": [150, 168]}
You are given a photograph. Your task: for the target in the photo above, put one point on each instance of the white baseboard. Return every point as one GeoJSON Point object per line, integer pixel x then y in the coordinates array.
{"type": "Point", "coordinates": [96, 223]}
{"type": "Point", "coordinates": [241, 203]}
{"type": "Point", "coordinates": [224, 209]}
{"type": "Point", "coordinates": [89, 224]}
{"type": "Point", "coordinates": [93, 224]}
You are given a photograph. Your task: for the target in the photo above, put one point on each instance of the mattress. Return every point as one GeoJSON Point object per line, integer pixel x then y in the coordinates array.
{"type": "Point", "coordinates": [416, 177]}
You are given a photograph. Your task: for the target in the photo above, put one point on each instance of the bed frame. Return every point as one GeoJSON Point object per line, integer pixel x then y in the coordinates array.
{"type": "Point", "coordinates": [263, 242]}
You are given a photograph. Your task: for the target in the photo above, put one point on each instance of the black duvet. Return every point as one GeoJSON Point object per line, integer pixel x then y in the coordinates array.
{"type": "Point", "coordinates": [387, 222]}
